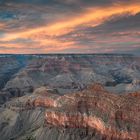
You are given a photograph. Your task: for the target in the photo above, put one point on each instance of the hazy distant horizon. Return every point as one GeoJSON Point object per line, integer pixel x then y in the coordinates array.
{"type": "Point", "coordinates": [125, 54]}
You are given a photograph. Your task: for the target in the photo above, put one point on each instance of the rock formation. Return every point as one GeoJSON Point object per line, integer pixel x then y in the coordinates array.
{"type": "Point", "coordinates": [108, 115]}
{"type": "Point", "coordinates": [70, 73]}
{"type": "Point", "coordinates": [56, 97]}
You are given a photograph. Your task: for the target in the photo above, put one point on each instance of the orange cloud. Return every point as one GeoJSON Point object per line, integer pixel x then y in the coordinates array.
{"type": "Point", "coordinates": [2, 25]}
{"type": "Point", "coordinates": [93, 16]}
{"type": "Point", "coordinates": [44, 45]}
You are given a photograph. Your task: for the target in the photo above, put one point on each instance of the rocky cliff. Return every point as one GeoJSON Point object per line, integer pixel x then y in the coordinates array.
{"type": "Point", "coordinates": [93, 113]}
{"type": "Point", "coordinates": [108, 116]}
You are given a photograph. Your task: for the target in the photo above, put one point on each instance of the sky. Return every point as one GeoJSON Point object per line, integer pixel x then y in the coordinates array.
{"type": "Point", "coordinates": [69, 26]}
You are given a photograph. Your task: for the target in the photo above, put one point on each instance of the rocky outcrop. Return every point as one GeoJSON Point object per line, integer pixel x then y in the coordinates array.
{"type": "Point", "coordinates": [45, 98]}
{"type": "Point", "coordinates": [90, 122]}
{"type": "Point", "coordinates": [93, 113]}
{"type": "Point", "coordinates": [109, 115]}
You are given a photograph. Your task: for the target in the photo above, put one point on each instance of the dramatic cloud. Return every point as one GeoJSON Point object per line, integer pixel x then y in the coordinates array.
{"type": "Point", "coordinates": [71, 26]}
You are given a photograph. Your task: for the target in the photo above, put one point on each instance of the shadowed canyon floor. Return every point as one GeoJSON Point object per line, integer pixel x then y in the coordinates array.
{"type": "Point", "coordinates": [70, 97]}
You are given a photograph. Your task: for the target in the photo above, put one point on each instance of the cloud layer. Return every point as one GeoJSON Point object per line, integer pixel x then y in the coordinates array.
{"type": "Point", "coordinates": [57, 26]}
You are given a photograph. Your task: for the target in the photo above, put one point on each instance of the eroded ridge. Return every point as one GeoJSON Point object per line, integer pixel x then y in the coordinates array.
{"type": "Point", "coordinates": [112, 116]}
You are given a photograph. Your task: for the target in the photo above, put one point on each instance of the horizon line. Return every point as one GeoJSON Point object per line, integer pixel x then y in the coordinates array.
{"type": "Point", "coordinates": [68, 54]}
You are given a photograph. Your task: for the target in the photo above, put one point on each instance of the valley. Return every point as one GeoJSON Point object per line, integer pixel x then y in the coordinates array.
{"type": "Point", "coordinates": [70, 97]}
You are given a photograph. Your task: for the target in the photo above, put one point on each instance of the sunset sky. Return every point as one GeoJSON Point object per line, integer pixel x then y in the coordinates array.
{"type": "Point", "coordinates": [70, 26]}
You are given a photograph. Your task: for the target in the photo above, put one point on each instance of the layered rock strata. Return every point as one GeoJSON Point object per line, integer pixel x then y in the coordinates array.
{"type": "Point", "coordinates": [111, 116]}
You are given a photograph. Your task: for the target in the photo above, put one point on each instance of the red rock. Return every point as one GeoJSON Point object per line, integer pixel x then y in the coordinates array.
{"type": "Point", "coordinates": [112, 116]}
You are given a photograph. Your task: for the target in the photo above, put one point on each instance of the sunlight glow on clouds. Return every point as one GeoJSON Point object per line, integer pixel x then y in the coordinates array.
{"type": "Point", "coordinates": [83, 31]}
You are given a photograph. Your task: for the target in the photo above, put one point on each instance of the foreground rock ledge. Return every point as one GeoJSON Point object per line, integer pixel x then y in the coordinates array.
{"type": "Point", "coordinates": [114, 117]}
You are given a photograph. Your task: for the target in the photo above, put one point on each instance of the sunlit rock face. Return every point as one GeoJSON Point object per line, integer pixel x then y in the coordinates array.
{"type": "Point", "coordinates": [45, 98]}
{"type": "Point", "coordinates": [110, 116]}
{"type": "Point", "coordinates": [93, 113]}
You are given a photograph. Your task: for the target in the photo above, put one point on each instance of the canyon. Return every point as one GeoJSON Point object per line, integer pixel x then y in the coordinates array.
{"type": "Point", "coordinates": [70, 97]}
